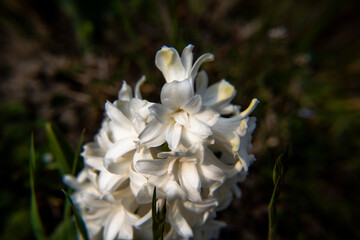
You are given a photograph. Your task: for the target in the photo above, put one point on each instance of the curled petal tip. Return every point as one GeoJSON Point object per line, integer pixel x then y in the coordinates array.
{"type": "Point", "coordinates": [250, 109]}
{"type": "Point", "coordinates": [139, 83]}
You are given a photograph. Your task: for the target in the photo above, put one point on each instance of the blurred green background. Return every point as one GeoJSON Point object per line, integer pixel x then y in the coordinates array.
{"type": "Point", "coordinates": [61, 59]}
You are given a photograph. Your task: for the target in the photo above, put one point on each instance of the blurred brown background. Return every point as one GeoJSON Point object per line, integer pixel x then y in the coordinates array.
{"type": "Point", "coordinates": [61, 59]}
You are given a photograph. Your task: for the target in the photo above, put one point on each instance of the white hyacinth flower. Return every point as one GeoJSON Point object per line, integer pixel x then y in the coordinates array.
{"type": "Point", "coordinates": [193, 147]}
{"type": "Point", "coordinates": [180, 118]}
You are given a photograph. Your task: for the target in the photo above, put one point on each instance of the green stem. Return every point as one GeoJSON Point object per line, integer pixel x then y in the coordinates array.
{"type": "Point", "coordinates": [272, 212]}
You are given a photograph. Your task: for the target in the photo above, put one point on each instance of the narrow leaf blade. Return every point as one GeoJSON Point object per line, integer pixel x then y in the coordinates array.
{"type": "Point", "coordinates": [158, 219]}
{"type": "Point", "coordinates": [66, 230]}
{"type": "Point", "coordinates": [73, 172]}
{"type": "Point", "coordinates": [77, 153]}
{"type": "Point", "coordinates": [154, 217]}
{"type": "Point", "coordinates": [57, 150]}
{"type": "Point", "coordinates": [36, 223]}
{"type": "Point", "coordinates": [78, 219]}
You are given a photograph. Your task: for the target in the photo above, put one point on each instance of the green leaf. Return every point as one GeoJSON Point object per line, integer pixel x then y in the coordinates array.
{"type": "Point", "coordinates": [77, 153]}
{"type": "Point", "coordinates": [66, 230]}
{"type": "Point", "coordinates": [153, 208]}
{"type": "Point", "coordinates": [272, 213]}
{"type": "Point", "coordinates": [59, 147]}
{"type": "Point", "coordinates": [80, 224]}
{"type": "Point", "coordinates": [73, 171]}
{"type": "Point", "coordinates": [158, 219]}
{"type": "Point", "coordinates": [36, 223]}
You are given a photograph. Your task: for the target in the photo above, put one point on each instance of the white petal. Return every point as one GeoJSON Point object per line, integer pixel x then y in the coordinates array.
{"type": "Point", "coordinates": [199, 128]}
{"type": "Point", "coordinates": [174, 191]}
{"type": "Point", "coordinates": [143, 153]}
{"type": "Point", "coordinates": [187, 59]}
{"type": "Point", "coordinates": [242, 129]}
{"type": "Point", "coordinates": [225, 125]}
{"type": "Point", "coordinates": [125, 93]}
{"type": "Point", "coordinates": [188, 138]}
{"type": "Point", "coordinates": [92, 177]}
{"type": "Point", "coordinates": [93, 149]}
{"type": "Point", "coordinates": [194, 105]}
{"type": "Point", "coordinates": [139, 108]}
{"type": "Point", "coordinates": [122, 195]}
{"type": "Point", "coordinates": [154, 134]}
{"type": "Point", "coordinates": [71, 182]}
{"type": "Point", "coordinates": [176, 94]}
{"type": "Point", "coordinates": [251, 124]}
{"type": "Point", "coordinates": [177, 153]}
{"type": "Point", "coordinates": [137, 180]}
{"type": "Point", "coordinates": [95, 162]}
{"type": "Point", "coordinates": [201, 82]}
{"type": "Point", "coordinates": [228, 109]}
{"type": "Point", "coordinates": [93, 230]}
{"type": "Point", "coordinates": [203, 58]}
{"type": "Point", "coordinates": [152, 166]}
{"type": "Point", "coordinates": [113, 226]}
{"type": "Point", "coordinates": [190, 180]}
{"type": "Point", "coordinates": [224, 131]}
{"type": "Point", "coordinates": [168, 61]}
{"type": "Point", "coordinates": [214, 162]}
{"type": "Point", "coordinates": [211, 172]}
{"type": "Point", "coordinates": [116, 115]}
{"type": "Point", "coordinates": [109, 182]}
{"type": "Point", "coordinates": [160, 183]}
{"type": "Point", "coordinates": [121, 147]}
{"type": "Point", "coordinates": [201, 207]}
{"type": "Point", "coordinates": [173, 135]}
{"type": "Point", "coordinates": [144, 194]}
{"type": "Point", "coordinates": [144, 220]}
{"type": "Point", "coordinates": [196, 151]}
{"type": "Point", "coordinates": [103, 138]}
{"type": "Point", "coordinates": [91, 202]}
{"type": "Point", "coordinates": [219, 94]}
{"type": "Point", "coordinates": [244, 159]}
{"type": "Point", "coordinates": [119, 131]}
{"type": "Point", "coordinates": [119, 167]}
{"type": "Point", "coordinates": [131, 218]}
{"type": "Point", "coordinates": [161, 112]}
{"type": "Point", "coordinates": [178, 222]}
{"type": "Point", "coordinates": [181, 118]}
{"type": "Point", "coordinates": [140, 188]}
{"type": "Point", "coordinates": [207, 115]}
{"type": "Point", "coordinates": [139, 83]}
{"type": "Point", "coordinates": [250, 109]}
{"type": "Point", "coordinates": [127, 228]}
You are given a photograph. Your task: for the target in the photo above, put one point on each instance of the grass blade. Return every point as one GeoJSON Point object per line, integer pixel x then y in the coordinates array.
{"type": "Point", "coordinates": [36, 223]}
{"type": "Point", "coordinates": [57, 149]}
{"type": "Point", "coordinates": [80, 224]}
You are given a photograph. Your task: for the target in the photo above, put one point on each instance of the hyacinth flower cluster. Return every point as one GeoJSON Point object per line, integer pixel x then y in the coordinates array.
{"type": "Point", "coordinates": [193, 147]}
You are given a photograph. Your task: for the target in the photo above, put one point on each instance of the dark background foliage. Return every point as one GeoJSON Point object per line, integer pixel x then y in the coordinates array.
{"type": "Point", "coordinates": [61, 59]}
